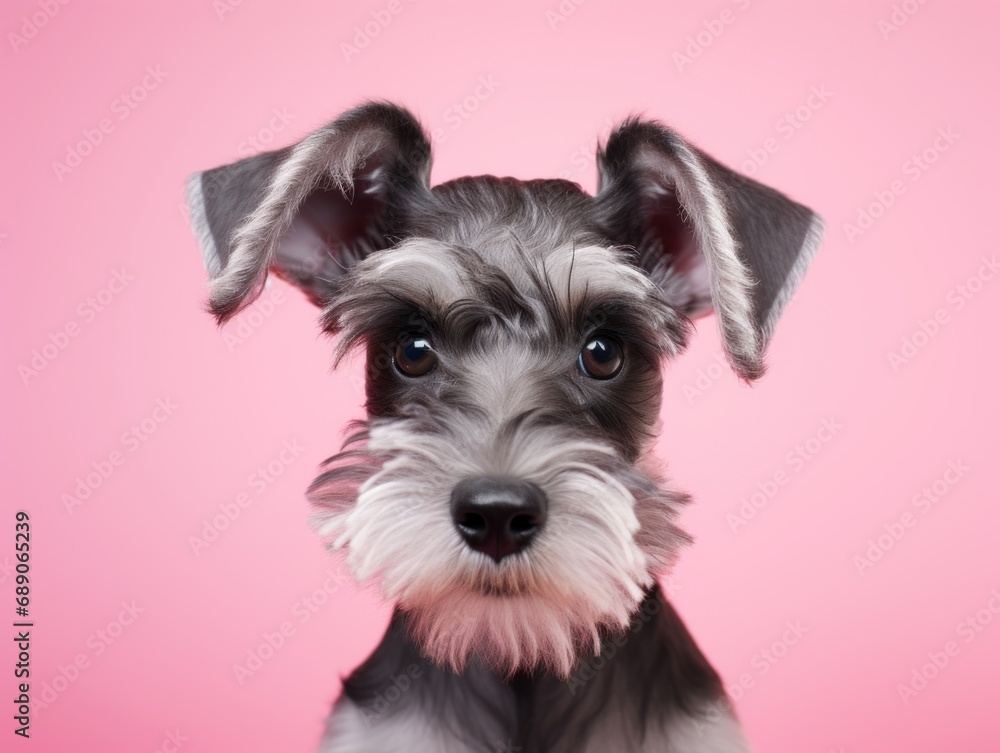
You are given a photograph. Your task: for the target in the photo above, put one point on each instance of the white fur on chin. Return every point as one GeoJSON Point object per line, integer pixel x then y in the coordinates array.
{"type": "Point", "coordinates": [586, 570]}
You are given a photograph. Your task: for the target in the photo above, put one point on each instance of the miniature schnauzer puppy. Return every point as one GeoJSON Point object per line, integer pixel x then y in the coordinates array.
{"type": "Point", "coordinates": [501, 492]}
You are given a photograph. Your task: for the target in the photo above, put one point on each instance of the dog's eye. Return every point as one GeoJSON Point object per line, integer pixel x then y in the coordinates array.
{"type": "Point", "coordinates": [601, 358]}
{"type": "Point", "coordinates": [414, 356]}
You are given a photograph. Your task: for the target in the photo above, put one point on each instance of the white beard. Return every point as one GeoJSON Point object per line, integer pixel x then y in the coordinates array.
{"type": "Point", "coordinates": [386, 501]}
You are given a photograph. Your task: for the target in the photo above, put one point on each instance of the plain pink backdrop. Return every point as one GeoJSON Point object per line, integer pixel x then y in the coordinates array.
{"type": "Point", "coordinates": [831, 104]}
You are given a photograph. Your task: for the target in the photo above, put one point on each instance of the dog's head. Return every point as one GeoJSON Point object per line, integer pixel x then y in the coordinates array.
{"type": "Point", "coordinates": [500, 491]}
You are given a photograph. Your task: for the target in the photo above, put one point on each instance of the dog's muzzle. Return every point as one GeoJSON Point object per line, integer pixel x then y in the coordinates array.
{"type": "Point", "coordinates": [498, 517]}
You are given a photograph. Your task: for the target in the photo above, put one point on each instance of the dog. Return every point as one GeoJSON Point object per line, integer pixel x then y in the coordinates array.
{"type": "Point", "coordinates": [501, 492]}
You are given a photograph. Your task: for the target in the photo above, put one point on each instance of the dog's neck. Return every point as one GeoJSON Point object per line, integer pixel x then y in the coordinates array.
{"type": "Point", "coordinates": [641, 680]}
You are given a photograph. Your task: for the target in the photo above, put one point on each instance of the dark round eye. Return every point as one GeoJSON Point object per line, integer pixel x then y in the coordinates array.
{"type": "Point", "coordinates": [414, 356]}
{"type": "Point", "coordinates": [601, 358]}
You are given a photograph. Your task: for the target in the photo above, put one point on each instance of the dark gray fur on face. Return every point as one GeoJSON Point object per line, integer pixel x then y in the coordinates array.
{"type": "Point", "coordinates": [509, 280]}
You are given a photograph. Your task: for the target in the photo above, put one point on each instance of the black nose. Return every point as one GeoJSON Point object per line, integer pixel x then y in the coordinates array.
{"type": "Point", "coordinates": [496, 516]}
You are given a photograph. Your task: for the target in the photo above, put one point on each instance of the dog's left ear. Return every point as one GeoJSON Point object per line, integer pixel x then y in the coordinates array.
{"type": "Point", "coordinates": [709, 237]}
{"type": "Point", "coordinates": [309, 211]}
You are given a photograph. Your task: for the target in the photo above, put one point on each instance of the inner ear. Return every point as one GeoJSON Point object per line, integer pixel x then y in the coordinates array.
{"type": "Point", "coordinates": [330, 234]}
{"type": "Point", "coordinates": [668, 250]}
{"type": "Point", "coordinates": [710, 238]}
{"type": "Point", "coordinates": [310, 211]}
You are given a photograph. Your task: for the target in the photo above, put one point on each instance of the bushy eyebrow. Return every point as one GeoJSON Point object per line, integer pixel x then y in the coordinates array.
{"type": "Point", "coordinates": [653, 329]}
{"type": "Point", "coordinates": [454, 294]}
{"type": "Point", "coordinates": [387, 318]}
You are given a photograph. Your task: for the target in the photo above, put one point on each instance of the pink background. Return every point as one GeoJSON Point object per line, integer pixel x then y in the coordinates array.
{"type": "Point", "coordinates": [555, 83]}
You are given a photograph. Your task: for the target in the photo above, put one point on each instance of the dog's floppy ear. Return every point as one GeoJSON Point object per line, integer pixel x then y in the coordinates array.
{"type": "Point", "coordinates": [709, 237]}
{"type": "Point", "coordinates": [309, 211]}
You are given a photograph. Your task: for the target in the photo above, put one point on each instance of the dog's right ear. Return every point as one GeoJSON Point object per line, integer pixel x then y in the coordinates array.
{"type": "Point", "coordinates": [309, 211]}
{"type": "Point", "coordinates": [710, 238]}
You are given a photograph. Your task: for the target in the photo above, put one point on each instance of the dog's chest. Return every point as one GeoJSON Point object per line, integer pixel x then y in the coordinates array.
{"type": "Point", "coordinates": [649, 690]}
{"type": "Point", "coordinates": [481, 732]}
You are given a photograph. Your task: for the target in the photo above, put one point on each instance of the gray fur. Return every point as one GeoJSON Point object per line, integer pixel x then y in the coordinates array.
{"type": "Point", "coordinates": [646, 687]}
{"type": "Point", "coordinates": [565, 644]}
